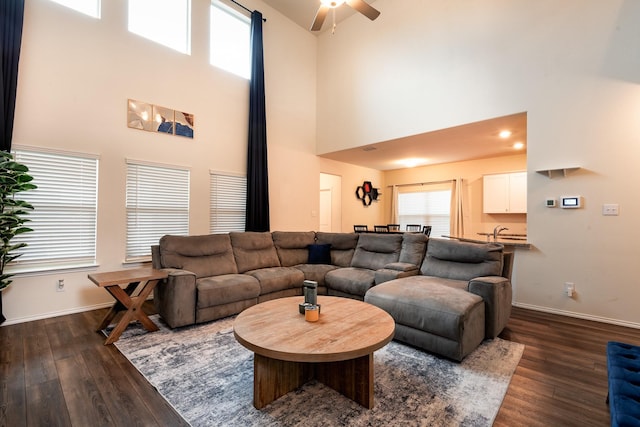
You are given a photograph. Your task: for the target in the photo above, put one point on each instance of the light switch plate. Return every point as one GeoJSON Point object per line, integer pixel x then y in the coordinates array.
{"type": "Point", "coordinates": [610, 209]}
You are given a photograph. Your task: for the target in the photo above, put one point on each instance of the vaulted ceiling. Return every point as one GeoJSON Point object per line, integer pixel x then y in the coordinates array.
{"type": "Point", "coordinates": [471, 141]}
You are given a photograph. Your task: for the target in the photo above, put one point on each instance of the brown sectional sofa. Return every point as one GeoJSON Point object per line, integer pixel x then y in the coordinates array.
{"type": "Point", "coordinates": [218, 275]}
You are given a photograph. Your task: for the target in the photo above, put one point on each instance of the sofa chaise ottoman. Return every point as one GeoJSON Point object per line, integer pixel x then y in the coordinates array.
{"type": "Point", "coordinates": [458, 299]}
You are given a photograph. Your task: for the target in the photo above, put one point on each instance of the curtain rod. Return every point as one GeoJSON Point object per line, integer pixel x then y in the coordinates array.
{"type": "Point", "coordinates": [422, 183]}
{"type": "Point", "coordinates": [245, 8]}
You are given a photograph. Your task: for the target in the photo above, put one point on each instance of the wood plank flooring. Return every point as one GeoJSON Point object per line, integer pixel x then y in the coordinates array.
{"type": "Point", "coordinates": [57, 372]}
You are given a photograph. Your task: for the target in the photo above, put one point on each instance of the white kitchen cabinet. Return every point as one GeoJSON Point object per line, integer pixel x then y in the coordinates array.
{"type": "Point", "coordinates": [505, 193]}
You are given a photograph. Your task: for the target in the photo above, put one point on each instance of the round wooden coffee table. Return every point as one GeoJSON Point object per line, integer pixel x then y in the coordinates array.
{"type": "Point", "coordinates": [337, 350]}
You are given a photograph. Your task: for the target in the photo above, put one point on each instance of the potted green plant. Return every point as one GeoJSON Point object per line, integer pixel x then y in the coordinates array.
{"type": "Point", "coordinates": [14, 178]}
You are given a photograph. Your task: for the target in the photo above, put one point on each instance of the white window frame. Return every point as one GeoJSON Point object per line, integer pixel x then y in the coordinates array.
{"type": "Point", "coordinates": [65, 215]}
{"type": "Point", "coordinates": [228, 201]}
{"type": "Point", "coordinates": [157, 203]}
{"type": "Point", "coordinates": [422, 209]}
{"type": "Point", "coordinates": [148, 19]}
{"type": "Point", "coordinates": [88, 7]}
{"type": "Point", "coordinates": [230, 52]}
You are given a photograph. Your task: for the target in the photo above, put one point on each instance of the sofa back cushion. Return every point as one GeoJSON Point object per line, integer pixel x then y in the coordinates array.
{"type": "Point", "coordinates": [343, 246]}
{"type": "Point", "coordinates": [253, 250]}
{"type": "Point", "coordinates": [292, 246]}
{"type": "Point", "coordinates": [453, 259]}
{"type": "Point", "coordinates": [209, 255]}
{"type": "Point", "coordinates": [414, 245]}
{"type": "Point", "coordinates": [374, 251]}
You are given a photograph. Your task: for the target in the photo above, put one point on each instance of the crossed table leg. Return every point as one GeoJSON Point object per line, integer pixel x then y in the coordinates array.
{"type": "Point", "coordinates": [126, 300]}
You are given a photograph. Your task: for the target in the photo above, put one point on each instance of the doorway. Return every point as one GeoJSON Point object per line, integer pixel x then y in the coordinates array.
{"type": "Point", "coordinates": [330, 217]}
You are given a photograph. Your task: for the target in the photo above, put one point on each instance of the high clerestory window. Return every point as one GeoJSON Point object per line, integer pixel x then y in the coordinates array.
{"type": "Point", "coordinates": [230, 42]}
{"type": "Point", "coordinates": [167, 22]}
{"type": "Point", "coordinates": [88, 7]}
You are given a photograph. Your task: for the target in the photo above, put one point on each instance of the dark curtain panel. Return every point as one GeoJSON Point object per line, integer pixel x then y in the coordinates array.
{"type": "Point", "coordinates": [10, 37]}
{"type": "Point", "coordinates": [257, 175]}
{"type": "Point", "coordinates": [11, 19]}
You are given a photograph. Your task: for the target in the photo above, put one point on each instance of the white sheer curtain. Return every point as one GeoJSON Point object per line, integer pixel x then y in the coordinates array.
{"type": "Point", "coordinates": [457, 203]}
{"type": "Point", "coordinates": [394, 205]}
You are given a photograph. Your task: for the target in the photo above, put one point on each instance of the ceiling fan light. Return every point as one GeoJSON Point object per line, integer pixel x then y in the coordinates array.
{"type": "Point", "coordinates": [332, 3]}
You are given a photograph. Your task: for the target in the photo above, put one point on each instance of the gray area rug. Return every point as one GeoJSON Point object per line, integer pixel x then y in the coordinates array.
{"type": "Point", "coordinates": [208, 378]}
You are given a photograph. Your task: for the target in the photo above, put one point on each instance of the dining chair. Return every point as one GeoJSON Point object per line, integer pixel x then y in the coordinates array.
{"type": "Point", "coordinates": [360, 228]}
{"type": "Point", "coordinates": [427, 230]}
{"type": "Point", "coordinates": [381, 228]}
{"type": "Point", "coordinates": [414, 227]}
{"type": "Point", "coordinates": [394, 227]}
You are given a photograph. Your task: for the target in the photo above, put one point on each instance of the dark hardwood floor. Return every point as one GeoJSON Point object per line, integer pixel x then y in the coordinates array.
{"type": "Point", "coordinates": [57, 372]}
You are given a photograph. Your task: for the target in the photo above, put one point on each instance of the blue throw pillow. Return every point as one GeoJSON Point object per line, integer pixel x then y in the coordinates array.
{"type": "Point", "coordinates": [319, 254]}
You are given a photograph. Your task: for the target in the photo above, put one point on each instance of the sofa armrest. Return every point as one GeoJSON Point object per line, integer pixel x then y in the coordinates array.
{"type": "Point", "coordinates": [386, 274]}
{"type": "Point", "coordinates": [175, 298]}
{"type": "Point", "coordinates": [401, 266]}
{"type": "Point", "coordinates": [496, 293]}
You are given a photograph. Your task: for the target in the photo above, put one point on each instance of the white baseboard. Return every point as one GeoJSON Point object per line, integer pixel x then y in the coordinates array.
{"type": "Point", "coordinates": [55, 314]}
{"type": "Point", "coordinates": [578, 315]}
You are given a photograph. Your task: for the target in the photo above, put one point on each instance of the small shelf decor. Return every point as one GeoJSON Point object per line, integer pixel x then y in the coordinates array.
{"type": "Point", "coordinates": [366, 193]}
{"type": "Point", "coordinates": [558, 171]}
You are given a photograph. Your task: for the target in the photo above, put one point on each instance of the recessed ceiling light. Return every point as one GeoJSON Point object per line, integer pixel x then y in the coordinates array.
{"type": "Point", "coordinates": [518, 145]}
{"type": "Point", "coordinates": [505, 134]}
{"type": "Point", "coordinates": [411, 163]}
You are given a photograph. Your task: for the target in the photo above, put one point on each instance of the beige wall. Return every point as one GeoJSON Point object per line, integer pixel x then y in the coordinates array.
{"type": "Point", "coordinates": [471, 173]}
{"type": "Point", "coordinates": [75, 77]}
{"type": "Point", "coordinates": [572, 66]}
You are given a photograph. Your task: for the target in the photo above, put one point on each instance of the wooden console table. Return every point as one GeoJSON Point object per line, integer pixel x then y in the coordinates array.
{"type": "Point", "coordinates": [126, 300]}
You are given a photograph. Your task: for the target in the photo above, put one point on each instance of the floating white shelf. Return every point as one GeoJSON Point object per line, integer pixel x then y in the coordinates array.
{"type": "Point", "coordinates": [556, 172]}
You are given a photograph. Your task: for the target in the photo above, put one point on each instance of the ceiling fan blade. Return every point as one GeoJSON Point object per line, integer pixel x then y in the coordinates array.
{"type": "Point", "coordinates": [320, 17]}
{"type": "Point", "coordinates": [364, 8]}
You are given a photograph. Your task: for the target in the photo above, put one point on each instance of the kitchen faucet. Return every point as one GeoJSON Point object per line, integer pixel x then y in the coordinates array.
{"type": "Point", "coordinates": [497, 230]}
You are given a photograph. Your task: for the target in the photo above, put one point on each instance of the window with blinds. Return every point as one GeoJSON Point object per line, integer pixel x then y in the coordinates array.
{"type": "Point", "coordinates": [426, 208]}
{"type": "Point", "coordinates": [157, 204]}
{"type": "Point", "coordinates": [64, 217]}
{"type": "Point", "coordinates": [228, 202]}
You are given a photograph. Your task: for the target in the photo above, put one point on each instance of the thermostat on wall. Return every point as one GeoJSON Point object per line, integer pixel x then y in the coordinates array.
{"type": "Point", "coordinates": [571, 202]}
{"type": "Point", "coordinates": [550, 203]}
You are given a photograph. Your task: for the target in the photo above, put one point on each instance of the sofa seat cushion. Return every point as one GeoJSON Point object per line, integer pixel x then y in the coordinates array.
{"type": "Point", "coordinates": [225, 289]}
{"type": "Point", "coordinates": [275, 279]}
{"type": "Point", "coordinates": [429, 306]}
{"type": "Point", "coordinates": [351, 280]}
{"type": "Point", "coordinates": [316, 272]}
{"type": "Point", "coordinates": [452, 283]}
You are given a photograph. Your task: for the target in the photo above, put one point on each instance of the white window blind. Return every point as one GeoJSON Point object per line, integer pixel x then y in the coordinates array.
{"type": "Point", "coordinates": [65, 211]}
{"type": "Point", "coordinates": [230, 40]}
{"type": "Point", "coordinates": [426, 208]}
{"type": "Point", "coordinates": [157, 204]}
{"type": "Point", "coordinates": [228, 202]}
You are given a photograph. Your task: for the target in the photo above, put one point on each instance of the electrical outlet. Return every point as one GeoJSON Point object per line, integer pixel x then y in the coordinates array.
{"type": "Point", "coordinates": [60, 285]}
{"type": "Point", "coordinates": [569, 289]}
{"type": "Point", "coordinates": [610, 209]}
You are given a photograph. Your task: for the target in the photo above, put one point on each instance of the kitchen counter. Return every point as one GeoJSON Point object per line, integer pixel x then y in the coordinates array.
{"type": "Point", "coordinates": [508, 243]}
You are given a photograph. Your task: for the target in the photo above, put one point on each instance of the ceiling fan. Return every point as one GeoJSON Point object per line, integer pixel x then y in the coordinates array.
{"type": "Point", "coordinates": [326, 5]}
